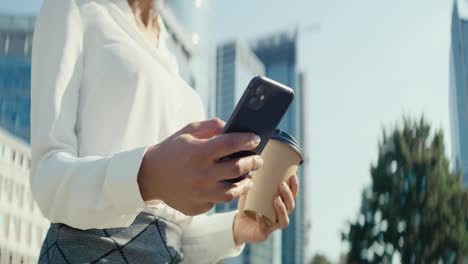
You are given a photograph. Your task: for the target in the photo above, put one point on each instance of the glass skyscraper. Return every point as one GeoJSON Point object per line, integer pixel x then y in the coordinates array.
{"type": "Point", "coordinates": [279, 55]}
{"type": "Point", "coordinates": [236, 66]}
{"type": "Point", "coordinates": [274, 56]}
{"type": "Point", "coordinates": [16, 34]}
{"type": "Point", "coordinates": [459, 87]}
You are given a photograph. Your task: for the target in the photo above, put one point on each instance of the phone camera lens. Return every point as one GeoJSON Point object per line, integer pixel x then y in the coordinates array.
{"type": "Point", "coordinates": [259, 91]}
{"type": "Point", "coordinates": [262, 97]}
{"type": "Point", "coordinates": [253, 102]}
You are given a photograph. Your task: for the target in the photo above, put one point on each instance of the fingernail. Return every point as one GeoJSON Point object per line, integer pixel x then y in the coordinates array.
{"type": "Point", "coordinates": [284, 187]}
{"type": "Point", "coordinates": [256, 139]}
{"type": "Point", "coordinates": [258, 162]}
{"type": "Point", "coordinates": [296, 180]}
{"type": "Point", "coordinates": [250, 184]}
{"type": "Point", "coordinates": [278, 201]}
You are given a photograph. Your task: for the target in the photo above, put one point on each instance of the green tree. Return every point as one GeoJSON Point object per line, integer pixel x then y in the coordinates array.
{"type": "Point", "coordinates": [319, 259]}
{"type": "Point", "coordinates": [416, 206]}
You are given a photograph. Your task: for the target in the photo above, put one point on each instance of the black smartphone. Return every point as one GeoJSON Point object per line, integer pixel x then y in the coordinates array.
{"type": "Point", "coordinates": [259, 110]}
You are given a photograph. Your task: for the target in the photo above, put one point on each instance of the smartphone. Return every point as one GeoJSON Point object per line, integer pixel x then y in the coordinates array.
{"type": "Point", "coordinates": [259, 110]}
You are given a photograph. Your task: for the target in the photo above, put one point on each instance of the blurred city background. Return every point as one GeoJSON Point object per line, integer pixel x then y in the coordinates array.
{"type": "Point", "coordinates": [357, 67]}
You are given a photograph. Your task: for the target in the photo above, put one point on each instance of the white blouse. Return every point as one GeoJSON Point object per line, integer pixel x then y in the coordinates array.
{"type": "Point", "coordinates": [101, 94]}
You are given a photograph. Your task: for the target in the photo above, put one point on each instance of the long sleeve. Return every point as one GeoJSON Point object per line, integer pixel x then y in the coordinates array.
{"type": "Point", "coordinates": [209, 239]}
{"type": "Point", "coordinates": [82, 192]}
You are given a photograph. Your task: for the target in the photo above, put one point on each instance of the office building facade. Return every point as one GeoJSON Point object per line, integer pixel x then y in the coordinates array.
{"type": "Point", "coordinates": [279, 55]}
{"type": "Point", "coordinates": [15, 69]}
{"type": "Point", "coordinates": [459, 87]}
{"type": "Point", "coordinates": [236, 66]}
{"type": "Point", "coordinates": [22, 226]}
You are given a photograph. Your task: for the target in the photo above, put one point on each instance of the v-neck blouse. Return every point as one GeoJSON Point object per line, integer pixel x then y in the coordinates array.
{"type": "Point", "coordinates": [101, 93]}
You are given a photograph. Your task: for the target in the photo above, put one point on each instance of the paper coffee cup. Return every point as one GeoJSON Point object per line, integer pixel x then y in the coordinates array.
{"type": "Point", "coordinates": [282, 157]}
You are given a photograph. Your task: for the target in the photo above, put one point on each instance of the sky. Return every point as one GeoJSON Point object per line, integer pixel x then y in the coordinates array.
{"type": "Point", "coordinates": [368, 63]}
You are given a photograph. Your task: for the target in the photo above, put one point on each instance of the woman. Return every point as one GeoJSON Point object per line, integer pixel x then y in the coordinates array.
{"type": "Point", "coordinates": [110, 168]}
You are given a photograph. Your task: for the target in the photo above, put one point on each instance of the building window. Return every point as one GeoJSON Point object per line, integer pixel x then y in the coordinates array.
{"type": "Point", "coordinates": [24, 232]}
{"type": "Point", "coordinates": [19, 159]}
{"type": "Point", "coordinates": [14, 193]}
{"type": "Point", "coordinates": [4, 192]}
{"type": "Point", "coordinates": [20, 195]}
{"type": "Point", "coordinates": [10, 190]}
{"type": "Point", "coordinates": [25, 198]}
{"type": "Point", "coordinates": [2, 224]}
{"type": "Point", "coordinates": [13, 223]}
{"type": "Point", "coordinates": [17, 44]}
{"type": "Point", "coordinates": [7, 44]}
{"type": "Point", "coordinates": [13, 156]}
{"type": "Point", "coordinates": [25, 163]}
{"type": "Point", "coordinates": [18, 229]}
{"type": "Point", "coordinates": [29, 234]}
{"type": "Point", "coordinates": [7, 226]}
{"type": "Point", "coordinates": [2, 45]}
{"type": "Point", "coordinates": [7, 153]}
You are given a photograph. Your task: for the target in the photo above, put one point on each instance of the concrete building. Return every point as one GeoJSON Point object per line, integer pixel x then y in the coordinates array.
{"type": "Point", "coordinates": [459, 87]}
{"type": "Point", "coordinates": [22, 227]}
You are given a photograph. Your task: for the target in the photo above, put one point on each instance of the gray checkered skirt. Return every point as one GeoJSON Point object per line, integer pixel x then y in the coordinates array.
{"type": "Point", "coordinates": [145, 241]}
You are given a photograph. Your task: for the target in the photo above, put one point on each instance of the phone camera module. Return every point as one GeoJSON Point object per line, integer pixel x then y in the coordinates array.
{"type": "Point", "coordinates": [253, 102]}
{"type": "Point", "coordinates": [259, 91]}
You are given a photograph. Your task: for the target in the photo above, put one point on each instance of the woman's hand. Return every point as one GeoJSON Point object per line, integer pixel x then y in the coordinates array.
{"type": "Point", "coordinates": [247, 230]}
{"type": "Point", "coordinates": [184, 171]}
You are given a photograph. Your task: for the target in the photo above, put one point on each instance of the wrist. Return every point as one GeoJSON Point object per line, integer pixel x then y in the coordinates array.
{"type": "Point", "coordinates": [235, 232]}
{"type": "Point", "coordinates": [146, 176]}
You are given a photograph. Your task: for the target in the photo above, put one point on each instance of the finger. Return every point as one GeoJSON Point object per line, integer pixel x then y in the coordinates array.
{"type": "Point", "coordinates": [205, 129]}
{"type": "Point", "coordinates": [294, 185]}
{"type": "Point", "coordinates": [287, 197]}
{"type": "Point", "coordinates": [226, 144]}
{"type": "Point", "coordinates": [232, 169]}
{"type": "Point", "coordinates": [227, 193]}
{"type": "Point", "coordinates": [283, 218]}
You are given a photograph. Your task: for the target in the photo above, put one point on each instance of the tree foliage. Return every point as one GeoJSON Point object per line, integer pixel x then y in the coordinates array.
{"type": "Point", "coordinates": [320, 259]}
{"type": "Point", "coordinates": [416, 208]}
